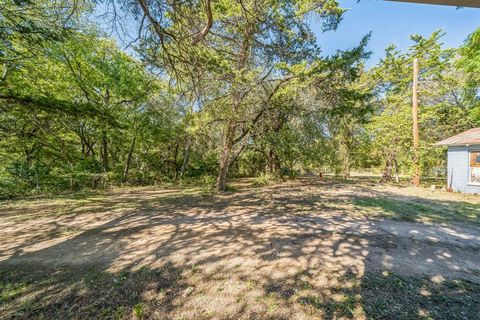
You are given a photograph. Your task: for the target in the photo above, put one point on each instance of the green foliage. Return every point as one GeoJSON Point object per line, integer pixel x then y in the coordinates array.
{"type": "Point", "coordinates": [26, 25]}
{"type": "Point", "coordinates": [138, 311]}
{"type": "Point", "coordinates": [470, 52]}
{"type": "Point", "coordinates": [469, 62]}
{"type": "Point", "coordinates": [264, 179]}
{"type": "Point", "coordinates": [252, 97]}
{"type": "Point", "coordinates": [207, 183]}
{"type": "Point", "coordinates": [443, 111]}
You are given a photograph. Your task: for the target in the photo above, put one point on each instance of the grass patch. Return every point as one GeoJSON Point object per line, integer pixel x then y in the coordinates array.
{"type": "Point", "coordinates": [29, 292]}
{"type": "Point", "coordinates": [390, 296]}
{"type": "Point", "coordinates": [264, 179]}
{"type": "Point", "coordinates": [419, 210]}
{"type": "Point", "coordinates": [170, 292]}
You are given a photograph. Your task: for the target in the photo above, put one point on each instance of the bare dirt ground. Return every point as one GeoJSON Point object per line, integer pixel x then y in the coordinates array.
{"type": "Point", "coordinates": [305, 249]}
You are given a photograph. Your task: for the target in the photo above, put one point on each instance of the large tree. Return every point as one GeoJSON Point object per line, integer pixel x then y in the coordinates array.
{"type": "Point", "coordinates": [443, 109]}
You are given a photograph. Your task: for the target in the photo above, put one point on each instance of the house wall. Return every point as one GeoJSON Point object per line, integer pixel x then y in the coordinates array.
{"type": "Point", "coordinates": [458, 169]}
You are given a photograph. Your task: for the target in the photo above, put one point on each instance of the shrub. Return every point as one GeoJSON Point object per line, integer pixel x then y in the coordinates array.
{"type": "Point", "coordinates": [264, 179]}
{"type": "Point", "coordinates": [207, 183]}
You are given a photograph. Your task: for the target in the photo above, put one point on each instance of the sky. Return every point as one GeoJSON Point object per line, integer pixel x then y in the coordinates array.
{"type": "Point", "coordinates": [394, 22]}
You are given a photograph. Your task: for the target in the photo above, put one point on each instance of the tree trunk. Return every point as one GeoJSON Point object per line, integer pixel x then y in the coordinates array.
{"type": "Point", "coordinates": [344, 149]}
{"type": "Point", "coordinates": [175, 165]}
{"type": "Point", "coordinates": [387, 171]}
{"type": "Point", "coordinates": [224, 161]}
{"type": "Point", "coordinates": [271, 161]}
{"type": "Point", "coordinates": [397, 177]}
{"type": "Point", "coordinates": [105, 151]}
{"type": "Point", "coordinates": [186, 156]}
{"type": "Point", "coordinates": [129, 160]}
{"type": "Point", "coordinates": [346, 166]}
{"type": "Point", "coordinates": [221, 184]}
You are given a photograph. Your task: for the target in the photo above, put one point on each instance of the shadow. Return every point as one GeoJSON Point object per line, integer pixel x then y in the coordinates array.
{"type": "Point", "coordinates": [418, 209]}
{"type": "Point", "coordinates": [301, 249]}
{"type": "Point", "coordinates": [86, 293]}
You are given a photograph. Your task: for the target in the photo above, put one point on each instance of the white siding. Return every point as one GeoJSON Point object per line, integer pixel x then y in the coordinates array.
{"type": "Point", "coordinates": [458, 169]}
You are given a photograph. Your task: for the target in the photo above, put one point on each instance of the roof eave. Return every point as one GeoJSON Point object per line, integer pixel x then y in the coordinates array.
{"type": "Point", "coordinates": [455, 3]}
{"type": "Point", "coordinates": [438, 144]}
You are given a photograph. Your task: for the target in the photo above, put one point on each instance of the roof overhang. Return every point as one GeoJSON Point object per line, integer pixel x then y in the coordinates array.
{"type": "Point", "coordinates": [474, 145]}
{"type": "Point", "coordinates": [466, 138]}
{"type": "Point", "coordinates": [451, 145]}
{"type": "Point", "coordinates": [455, 3]}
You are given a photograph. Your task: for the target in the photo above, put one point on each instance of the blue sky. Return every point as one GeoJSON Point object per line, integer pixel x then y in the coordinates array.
{"type": "Point", "coordinates": [393, 22]}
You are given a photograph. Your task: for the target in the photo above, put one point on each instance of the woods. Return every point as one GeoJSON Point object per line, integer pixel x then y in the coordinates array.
{"type": "Point", "coordinates": [210, 90]}
{"type": "Point", "coordinates": [239, 159]}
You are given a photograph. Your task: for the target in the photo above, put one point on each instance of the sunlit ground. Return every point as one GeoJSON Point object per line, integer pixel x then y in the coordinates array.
{"type": "Point", "coordinates": [304, 249]}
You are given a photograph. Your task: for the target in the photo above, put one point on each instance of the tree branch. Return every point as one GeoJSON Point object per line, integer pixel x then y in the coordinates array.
{"type": "Point", "coordinates": [199, 36]}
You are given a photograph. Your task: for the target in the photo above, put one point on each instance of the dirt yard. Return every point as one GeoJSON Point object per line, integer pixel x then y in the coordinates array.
{"type": "Point", "coordinates": [298, 250]}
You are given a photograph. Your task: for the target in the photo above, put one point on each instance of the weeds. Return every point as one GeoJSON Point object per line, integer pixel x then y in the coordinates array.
{"type": "Point", "coordinates": [264, 179]}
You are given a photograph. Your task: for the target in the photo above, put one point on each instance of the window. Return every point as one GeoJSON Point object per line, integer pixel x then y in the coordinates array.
{"type": "Point", "coordinates": [475, 167]}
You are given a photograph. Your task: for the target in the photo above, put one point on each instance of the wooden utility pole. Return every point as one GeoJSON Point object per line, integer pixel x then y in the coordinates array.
{"type": "Point", "coordinates": [416, 157]}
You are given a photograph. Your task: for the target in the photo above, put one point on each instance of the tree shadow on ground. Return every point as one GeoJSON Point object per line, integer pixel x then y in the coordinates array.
{"type": "Point", "coordinates": [416, 209]}
{"type": "Point", "coordinates": [280, 252]}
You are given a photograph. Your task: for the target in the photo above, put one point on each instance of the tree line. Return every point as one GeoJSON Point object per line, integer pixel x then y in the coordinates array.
{"type": "Point", "coordinates": [202, 90]}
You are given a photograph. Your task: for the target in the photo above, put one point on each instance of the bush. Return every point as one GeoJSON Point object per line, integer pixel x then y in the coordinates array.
{"type": "Point", "coordinates": [207, 183]}
{"type": "Point", "coordinates": [264, 179]}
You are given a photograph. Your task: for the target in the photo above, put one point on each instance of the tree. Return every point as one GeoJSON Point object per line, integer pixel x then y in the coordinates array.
{"type": "Point", "coordinates": [469, 63]}
{"type": "Point", "coordinates": [442, 108]}
{"type": "Point", "coordinates": [250, 54]}
{"type": "Point", "coordinates": [63, 107]}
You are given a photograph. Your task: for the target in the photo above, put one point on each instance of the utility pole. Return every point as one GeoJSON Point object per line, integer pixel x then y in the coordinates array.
{"type": "Point", "coordinates": [416, 157]}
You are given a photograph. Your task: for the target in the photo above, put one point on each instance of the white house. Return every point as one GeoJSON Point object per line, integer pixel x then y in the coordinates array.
{"type": "Point", "coordinates": [463, 161]}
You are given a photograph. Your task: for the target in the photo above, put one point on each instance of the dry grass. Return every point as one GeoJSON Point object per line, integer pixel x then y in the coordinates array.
{"type": "Point", "coordinates": [297, 250]}
{"type": "Point", "coordinates": [174, 293]}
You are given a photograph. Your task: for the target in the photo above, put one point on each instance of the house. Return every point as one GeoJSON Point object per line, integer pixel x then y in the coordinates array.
{"type": "Point", "coordinates": [463, 161]}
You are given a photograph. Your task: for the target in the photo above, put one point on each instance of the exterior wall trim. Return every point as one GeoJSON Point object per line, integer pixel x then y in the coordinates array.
{"type": "Point", "coordinates": [459, 168]}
